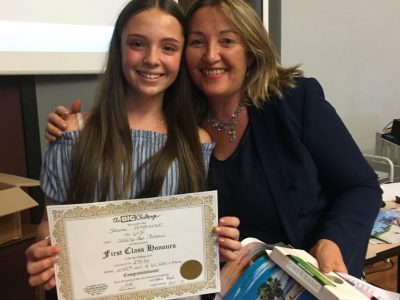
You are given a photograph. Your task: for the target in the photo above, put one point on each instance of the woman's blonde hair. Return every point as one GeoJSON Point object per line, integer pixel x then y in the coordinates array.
{"type": "Point", "coordinates": [265, 76]}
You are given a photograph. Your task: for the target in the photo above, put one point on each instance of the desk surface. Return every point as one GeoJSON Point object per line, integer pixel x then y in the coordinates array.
{"type": "Point", "coordinates": [383, 250]}
{"type": "Point", "coordinates": [380, 250]}
{"type": "Point", "coordinates": [390, 191]}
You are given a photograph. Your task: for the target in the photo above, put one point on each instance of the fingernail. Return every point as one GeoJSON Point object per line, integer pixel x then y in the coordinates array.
{"type": "Point", "coordinates": [222, 220]}
{"type": "Point", "coordinates": [218, 229]}
{"type": "Point", "coordinates": [221, 240]}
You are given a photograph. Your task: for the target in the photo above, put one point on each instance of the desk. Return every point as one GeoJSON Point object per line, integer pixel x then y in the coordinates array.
{"type": "Point", "coordinates": [390, 191]}
{"type": "Point", "coordinates": [13, 274]}
{"type": "Point", "coordinates": [380, 252]}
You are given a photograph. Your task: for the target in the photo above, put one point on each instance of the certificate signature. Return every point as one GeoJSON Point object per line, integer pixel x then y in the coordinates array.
{"type": "Point", "coordinates": [155, 248]}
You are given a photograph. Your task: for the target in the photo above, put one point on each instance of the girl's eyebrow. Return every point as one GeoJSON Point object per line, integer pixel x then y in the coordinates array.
{"type": "Point", "coordinates": [135, 35]}
{"type": "Point", "coordinates": [167, 39]}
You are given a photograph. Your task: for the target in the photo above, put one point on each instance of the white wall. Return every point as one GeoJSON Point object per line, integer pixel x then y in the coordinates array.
{"type": "Point", "coordinates": [353, 48]}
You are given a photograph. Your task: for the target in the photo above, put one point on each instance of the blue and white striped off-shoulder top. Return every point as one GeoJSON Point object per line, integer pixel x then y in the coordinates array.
{"type": "Point", "coordinates": [57, 165]}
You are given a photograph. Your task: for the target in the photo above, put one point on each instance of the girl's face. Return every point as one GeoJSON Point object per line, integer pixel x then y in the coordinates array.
{"type": "Point", "coordinates": [215, 54]}
{"type": "Point", "coordinates": [151, 44]}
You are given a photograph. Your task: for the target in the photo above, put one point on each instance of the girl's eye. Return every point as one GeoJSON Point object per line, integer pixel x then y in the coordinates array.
{"type": "Point", "coordinates": [136, 44]}
{"type": "Point", "coordinates": [170, 48]}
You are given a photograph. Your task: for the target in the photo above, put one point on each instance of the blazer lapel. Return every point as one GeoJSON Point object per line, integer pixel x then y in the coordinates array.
{"type": "Point", "coordinates": [264, 123]}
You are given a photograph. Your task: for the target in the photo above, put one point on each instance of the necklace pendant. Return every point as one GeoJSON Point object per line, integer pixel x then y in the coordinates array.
{"type": "Point", "coordinates": [232, 134]}
{"type": "Point", "coordinates": [222, 125]}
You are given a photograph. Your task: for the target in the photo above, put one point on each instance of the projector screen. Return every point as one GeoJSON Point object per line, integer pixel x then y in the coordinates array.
{"type": "Point", "coordinates": [55, 37]}
{"type": "Point", "coordinates": [59, 37]}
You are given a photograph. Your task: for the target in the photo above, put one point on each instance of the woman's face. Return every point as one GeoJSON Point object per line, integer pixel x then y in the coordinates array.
{"type": "Point", "coordinates": [151, 44]}
{"type": "Point", "coordinates": [215, 54]}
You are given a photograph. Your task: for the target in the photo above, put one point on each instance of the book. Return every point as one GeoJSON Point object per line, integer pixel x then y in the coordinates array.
{"type": "Point", "coordinates": [303, 267]}
{"type": "Point", "coordinates": [255, 276]}
{"type": "Point", "coordinates": [369, 290]}
{"type": "Point", "coordinates": [387, 226]}
{"type": "Point", "coordinates": [263, 279]}
{"type": "Point", "coordinates": [278, 272]}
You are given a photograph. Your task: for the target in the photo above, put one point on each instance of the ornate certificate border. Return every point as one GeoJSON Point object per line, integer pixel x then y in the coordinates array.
{"type": "Point", "coordinates": [59, 214]}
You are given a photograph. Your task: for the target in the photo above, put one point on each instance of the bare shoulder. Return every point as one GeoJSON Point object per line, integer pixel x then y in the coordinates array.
{"type": "Point", "coordinates": [73, 123]}
{"type": "Point", "coordinates": [204, 136]}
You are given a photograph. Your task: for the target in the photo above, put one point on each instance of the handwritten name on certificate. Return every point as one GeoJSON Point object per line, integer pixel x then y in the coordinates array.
{"type": "Point", "coordinates": [155, 248]}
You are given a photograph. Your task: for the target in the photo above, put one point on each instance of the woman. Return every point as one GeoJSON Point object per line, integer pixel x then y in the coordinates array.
{"type": "Point", "coordinates": [284, 163]}
{"type": "Point", "coordinates": [135, 124]}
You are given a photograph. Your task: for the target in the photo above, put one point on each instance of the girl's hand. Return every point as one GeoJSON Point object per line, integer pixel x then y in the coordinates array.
{"type": "Point", "coordinates": [40, 264]}
{"type": "Point", "coordinates": [228, 237]}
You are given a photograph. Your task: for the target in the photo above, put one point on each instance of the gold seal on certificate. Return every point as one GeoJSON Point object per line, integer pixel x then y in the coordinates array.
{"type": "Point", "coordinates": [155, 248]}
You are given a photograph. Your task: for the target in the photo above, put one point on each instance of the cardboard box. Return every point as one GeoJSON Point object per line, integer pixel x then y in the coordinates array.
{"type": "Point", "coordinates": [13, 199]}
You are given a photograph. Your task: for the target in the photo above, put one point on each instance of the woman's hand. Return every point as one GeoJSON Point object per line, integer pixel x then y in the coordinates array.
{"type": "Point", "coordinates": [40, 264]}
{"type": "Point", "coordinates": [329, 256]}
{"type": "Point", "coordinates": [56, 124]}
{"type": "Point", "coordinates": [228, 237]}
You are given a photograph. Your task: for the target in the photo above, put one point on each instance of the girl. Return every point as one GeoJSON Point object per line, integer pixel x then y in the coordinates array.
{"type": "Point", "coordinates": [136, 142]}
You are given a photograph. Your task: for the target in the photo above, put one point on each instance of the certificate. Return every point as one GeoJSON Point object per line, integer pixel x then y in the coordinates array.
{"type": "Point", "coordinates": [155, 248]}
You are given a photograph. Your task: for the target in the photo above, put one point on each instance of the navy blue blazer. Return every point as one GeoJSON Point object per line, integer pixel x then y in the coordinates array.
{"type": "Point", "coordinates": [320, 182]}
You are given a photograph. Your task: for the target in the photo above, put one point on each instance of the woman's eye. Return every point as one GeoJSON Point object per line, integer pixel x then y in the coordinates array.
{"type": "Point", "coordinates": [196, 42]}
{"type": "Point", "coordinates": [227, 41]}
